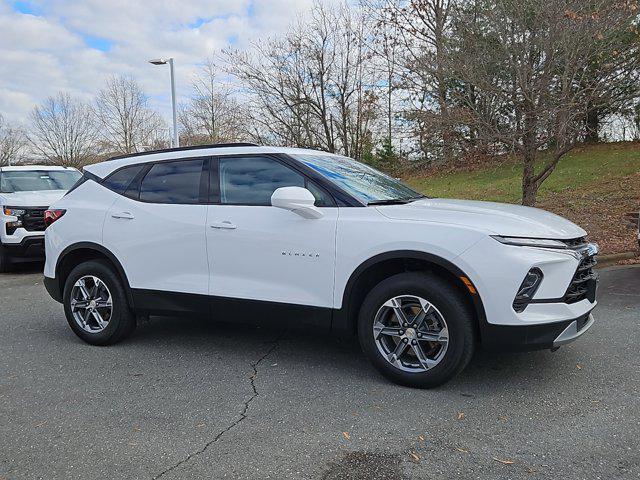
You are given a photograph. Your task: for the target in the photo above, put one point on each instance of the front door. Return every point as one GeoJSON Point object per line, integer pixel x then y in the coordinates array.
{"type": "Point", "coordinates": [260, 252]}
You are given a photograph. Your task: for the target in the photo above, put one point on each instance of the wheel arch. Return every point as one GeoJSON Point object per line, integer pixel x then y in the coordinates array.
{"type": "Point", "coordinates": [375, 269]}
{"type": "Point", "coordinates": [77, 253]}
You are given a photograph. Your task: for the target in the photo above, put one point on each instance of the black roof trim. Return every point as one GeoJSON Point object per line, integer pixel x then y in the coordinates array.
{"type": "Point", "coordinates": [182, 149]}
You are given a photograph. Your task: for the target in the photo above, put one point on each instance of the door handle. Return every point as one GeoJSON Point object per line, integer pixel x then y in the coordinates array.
{"type": "Point", "coordinates": [123, 215]}
{"type": "Point", "coordinates": [226, 225]}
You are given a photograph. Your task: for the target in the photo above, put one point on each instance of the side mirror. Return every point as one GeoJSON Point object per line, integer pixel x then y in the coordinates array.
{"type": "Point", "coordinates": [296, 199]}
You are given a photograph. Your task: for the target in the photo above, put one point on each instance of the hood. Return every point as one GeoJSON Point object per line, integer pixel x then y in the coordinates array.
{"type": "Point", "coordinates": [493, 218]}
{"type": "Point", "coordinates": [41, 198]}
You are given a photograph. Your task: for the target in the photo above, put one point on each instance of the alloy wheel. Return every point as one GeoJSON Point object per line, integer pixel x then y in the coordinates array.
{"type": "Point", "coordinates": [411, 333]}
{"type": "Point", "coordinates": [91, 304]}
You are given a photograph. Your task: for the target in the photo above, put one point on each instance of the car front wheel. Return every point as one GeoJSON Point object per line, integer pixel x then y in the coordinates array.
{"type": "Point", "coordinates": [95, 304]}
{"type": "Point", "coordinates": [5, 262]}
{"type": "Point", "coordinates": [416, 329]}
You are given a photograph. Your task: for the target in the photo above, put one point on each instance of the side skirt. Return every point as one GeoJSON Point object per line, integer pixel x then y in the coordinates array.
{"type": "Point", "coordinates": [232, 310]}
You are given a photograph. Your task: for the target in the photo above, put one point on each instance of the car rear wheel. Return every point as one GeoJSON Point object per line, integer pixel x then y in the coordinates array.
{"type": "Point", "coordinates": [95, 304]}
{"type": "Point", "coordinates": [416, 329]}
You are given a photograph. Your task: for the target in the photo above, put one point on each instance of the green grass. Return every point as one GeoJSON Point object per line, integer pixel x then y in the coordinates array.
{"type": "Point", "coordinates": [585, 167]}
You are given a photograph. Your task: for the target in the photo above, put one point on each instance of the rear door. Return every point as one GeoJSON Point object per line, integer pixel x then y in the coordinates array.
{"type": "Point", "coordinates": [157, 228]}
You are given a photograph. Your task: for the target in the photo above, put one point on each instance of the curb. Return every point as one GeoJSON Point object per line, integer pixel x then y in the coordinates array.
{"type": "Point", "coordinates": [613, 258]}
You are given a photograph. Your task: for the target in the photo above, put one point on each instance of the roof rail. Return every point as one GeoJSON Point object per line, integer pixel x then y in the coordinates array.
{"type": "Point", "coordinates": [181, 149]}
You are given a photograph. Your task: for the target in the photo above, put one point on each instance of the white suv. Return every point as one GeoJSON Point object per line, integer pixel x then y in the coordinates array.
{"type": "Point", "coordinates": [248, 233]}
{"type": "Point", "coordinates": [25, 193]}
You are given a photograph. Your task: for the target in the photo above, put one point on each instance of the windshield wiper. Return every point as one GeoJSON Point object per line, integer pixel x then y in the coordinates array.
{"type": "Point", "coordinates": [395, 201]}
{"type": "Point", "coordinates": [391, 201]}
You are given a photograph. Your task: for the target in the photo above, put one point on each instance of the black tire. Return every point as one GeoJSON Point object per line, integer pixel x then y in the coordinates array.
{"type": "Point", "coordinates": [5, 261]}
{"type": "Point", "coordinates": [122, 322]}
{"type": "Point", "coordinates": [449, 302]}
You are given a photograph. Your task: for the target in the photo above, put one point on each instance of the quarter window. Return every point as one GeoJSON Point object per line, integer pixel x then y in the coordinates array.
{"type": "Point", "coordinates": [173, 182]}
{"type": "Point", "coordinates": [119, 181]}
{"type": "Point", "coordinates": [323, 199]}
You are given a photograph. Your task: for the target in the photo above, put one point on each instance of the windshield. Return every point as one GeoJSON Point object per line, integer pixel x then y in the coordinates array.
{"type": "Point", "coordinates": [358, 179]}
{"type": "Point", "coordinates": [36, 180]}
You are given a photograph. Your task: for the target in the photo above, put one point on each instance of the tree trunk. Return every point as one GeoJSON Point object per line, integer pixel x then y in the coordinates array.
{"type": "Point", "coordinates": [440, 11]}
{"type": "Point", "coordinates": [529, 184]}
{"type": "Point", "coordinates": [592, 123]}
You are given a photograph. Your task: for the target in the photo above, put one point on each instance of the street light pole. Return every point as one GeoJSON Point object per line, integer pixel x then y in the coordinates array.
{"type": "Point", "coordinates": [175, 142]}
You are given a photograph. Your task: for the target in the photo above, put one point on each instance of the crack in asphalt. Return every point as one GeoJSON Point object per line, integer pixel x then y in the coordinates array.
{"type": "Point", "coordinates": [243, 413]}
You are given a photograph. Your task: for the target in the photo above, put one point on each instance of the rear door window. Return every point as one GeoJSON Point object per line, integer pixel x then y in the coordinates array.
{"type": "Point", "coordinates": [176, 182]}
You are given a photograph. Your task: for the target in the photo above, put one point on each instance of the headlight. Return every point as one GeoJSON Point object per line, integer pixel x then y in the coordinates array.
{"type": "Point", "coordinates": [530, 242]}
{"type": "Point", "coordinates": [14, 212]}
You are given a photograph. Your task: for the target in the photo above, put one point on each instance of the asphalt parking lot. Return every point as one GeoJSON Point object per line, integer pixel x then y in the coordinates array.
{"type": "Point", "coordinates": [190, 399]}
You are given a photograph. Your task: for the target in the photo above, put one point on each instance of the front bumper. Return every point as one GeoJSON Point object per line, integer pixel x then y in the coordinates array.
{"type": "Point", "coordinates": [28, 249]}
{"type": "Point", "coordinates": [536, 336]}
{"type": "Point", "coordinates": [574, 330]}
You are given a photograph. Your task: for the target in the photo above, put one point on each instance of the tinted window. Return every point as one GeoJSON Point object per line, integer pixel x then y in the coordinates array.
{"type": "Point", "coordinates": [172, 182]}
{"type": "Point", "coordinates": [119, 181]}
{"type": "Point", "coordinates": [37, 180]}
{"type": "Point", "coordinates": [252, 180]}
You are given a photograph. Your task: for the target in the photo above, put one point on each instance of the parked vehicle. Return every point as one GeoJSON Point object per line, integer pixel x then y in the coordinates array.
{"type": "Point", "coordinates": [262, 234]}
{"type": "Point", "coordinates": [25, 193]}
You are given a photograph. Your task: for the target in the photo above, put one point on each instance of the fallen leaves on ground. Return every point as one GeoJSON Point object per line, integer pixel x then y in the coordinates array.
{"type": "Point", "coordinates": [415, 458]}
{"type": "Point", "coordinates": [601, 211]}
{"type": "Point", "coordinates": [346, 435]}
{"type": "Point", "coordinates": [461, 415]}
{"type": "Point", "coordinates": [630, 261]}
{"type": "Point", "coordinates": [504, 462]}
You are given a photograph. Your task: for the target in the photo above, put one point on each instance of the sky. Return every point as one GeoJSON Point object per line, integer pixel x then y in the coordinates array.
{"type": "Point", "coordinates": [47, 46]}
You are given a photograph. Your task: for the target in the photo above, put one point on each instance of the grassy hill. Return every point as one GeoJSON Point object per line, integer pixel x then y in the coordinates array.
{"type": "Point", "coordinates": [593, 186]}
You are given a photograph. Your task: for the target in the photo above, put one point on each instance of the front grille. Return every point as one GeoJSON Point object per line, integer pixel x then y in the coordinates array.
{"type": "Point", "coordinates": [584, 282]}
{"type": "Point", "coordinates": [33, 219]}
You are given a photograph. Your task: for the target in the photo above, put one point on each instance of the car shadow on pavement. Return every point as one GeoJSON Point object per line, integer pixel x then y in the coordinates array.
{"type": "Point", "coordinates": [26, 268]}
{"type": "Point", "coordinates": [498, 370]}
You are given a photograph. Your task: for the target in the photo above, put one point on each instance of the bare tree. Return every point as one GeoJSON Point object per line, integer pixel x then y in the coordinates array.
{"type": "Point", "coordinates": [532, 64]}
{"type": "Point", "coordinates": [388, 52]}
{"type": "Point", "coordinates": [127, 124]}
{"type": "Point", "coordinates": [213, 114]}
{"type": "Point", "coordinates": [423, 29]}
{"type": "Point", "coordinates": [63, 131]}
{"type": "Point", "coordinates": [12, 143]}
{"type": "Point", "coordinates": [313, 86]}
{"type": "Point", "coordinates": [614, 78]}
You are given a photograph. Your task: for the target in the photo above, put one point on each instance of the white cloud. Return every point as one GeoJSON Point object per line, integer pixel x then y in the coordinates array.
{"type": "Point", "coordinates": [58, 46]}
